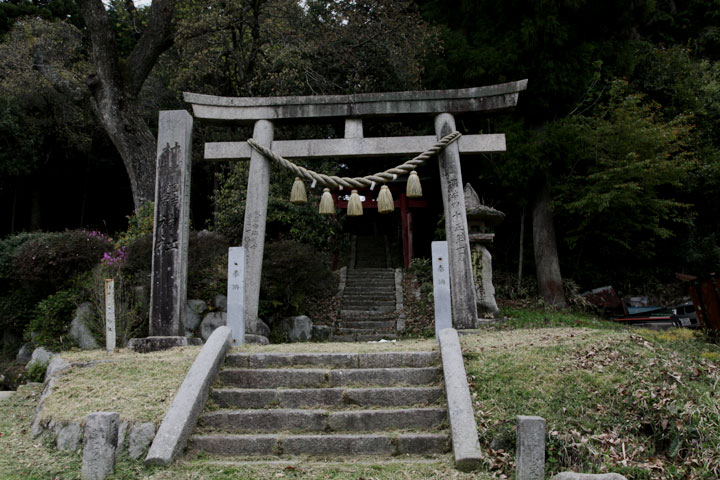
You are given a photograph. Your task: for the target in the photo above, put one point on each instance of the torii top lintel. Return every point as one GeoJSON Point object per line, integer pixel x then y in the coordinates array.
{"type": "Point", "coordinates": [249, 109]}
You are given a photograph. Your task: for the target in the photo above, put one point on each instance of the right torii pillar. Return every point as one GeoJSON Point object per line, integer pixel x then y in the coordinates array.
{"type": "Point", "coordinates": [462, 287]}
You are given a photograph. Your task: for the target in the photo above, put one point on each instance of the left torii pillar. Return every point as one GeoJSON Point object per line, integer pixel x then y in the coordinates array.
{"type": "Point", "coordinates": [168, 290]}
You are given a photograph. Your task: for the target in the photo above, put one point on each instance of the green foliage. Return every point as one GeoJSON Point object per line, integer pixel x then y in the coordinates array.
{"type": "Point", "coordinates": [301, 223]}
{"type": "Point", "coordinates": [36, 371]}
{"type": "Point", "coordinates": [207, 265]}
{"type": "Point", "coordinates": [50, 324]}
{"type": "Point", "coordinates": [140, 224]}
{"type": "Point", "coordinates": [625, 163]}
{"type": "Point", "coordinates": [54, 259]}
{"type": "Point", "coordinates": [292, 275]}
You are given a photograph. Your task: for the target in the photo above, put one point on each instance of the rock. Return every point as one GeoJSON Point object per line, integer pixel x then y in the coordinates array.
{"type": "Point", "coordinates": [101, 433]}
{"type": "Point", "coordinates": [154, 344]}
{"type": "Point", "coordinates": [321, 333]}
{"type": "Point", "coordinates": [212, 321]}
{"type": "Point", "coordinates": [68, 437]}
{"type": "Point", "coordinates": [588, 476]}
{"type": "Point", "coordinates": [79, 330]}
{"type": "Point", "coordinates": [256, 339]}
{"type": "Point", "coordinates": [261, 329]}
{"type": "Point", "coordinates": [25, 353]}
{"type": "Point", "coordinates": [193, 312]}
{"type": "Point", "coordinates": [298, 329]}
{"type": "Point", "coordinates": [141, 436]}
{"type": "Point", "coordinates": [40, 355]}
{"type": "Point", "coordinates": [122, 434]}
{"type": "Point", "coordinates": [530, 448]}
{"type": "Point", "coordinates": [56, 366]}
{"type": "Point", "coordinates": [221, 303]}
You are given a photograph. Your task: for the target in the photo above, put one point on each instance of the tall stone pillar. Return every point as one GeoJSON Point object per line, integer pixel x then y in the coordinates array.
{"type": "Point", "coordinates": [461, 273]}
{"type": "Point", "coordinates": [255, 219]}
{"type": "Point", "coordinates": [168, 290]}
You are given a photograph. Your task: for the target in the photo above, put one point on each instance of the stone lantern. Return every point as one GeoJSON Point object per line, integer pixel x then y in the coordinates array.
{"type": "Point", "coordinates": [481, 219]}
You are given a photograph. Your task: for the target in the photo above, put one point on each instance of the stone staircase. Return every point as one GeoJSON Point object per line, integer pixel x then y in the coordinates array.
{"type": "Point", "coordinates": [325, 404]}
{"type": "Point", "coordinates": [368, 306]}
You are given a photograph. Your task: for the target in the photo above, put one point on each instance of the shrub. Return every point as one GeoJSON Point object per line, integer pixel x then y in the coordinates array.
{"type": "Point", "coordinates": [50, 324]}
{"type": "Point", "coordinates": [36, 371]}
{"type": "Point", "coordinates": [207, 265]}
{"type": "Point", "coordinates": [292, 275]}
{"type": "Point", "coordinates": [53, 259]}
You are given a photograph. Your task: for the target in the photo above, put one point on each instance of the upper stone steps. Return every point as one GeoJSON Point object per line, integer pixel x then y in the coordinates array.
{"type": "Point", "coordinates": [343, 360]}
{"type": "Point", "coordinates": [318, 377]}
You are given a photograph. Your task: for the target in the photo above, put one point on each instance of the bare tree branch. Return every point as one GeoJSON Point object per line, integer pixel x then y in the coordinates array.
{"type": "Point", "coordinates": [155, 40]}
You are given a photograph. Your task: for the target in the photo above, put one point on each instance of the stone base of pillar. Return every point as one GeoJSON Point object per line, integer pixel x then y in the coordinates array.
{"type": "Point", "coordinates": [484, 289]}
{"type": "Point", "coordinates": [154, 344]}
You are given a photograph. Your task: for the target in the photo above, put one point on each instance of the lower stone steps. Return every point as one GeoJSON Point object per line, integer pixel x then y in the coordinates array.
{"type": "Point", "coordinates": [350, 445]}
{"type": "Point", "coordinates": [364, 337]}
{"type": "Point", "coordinates": [325, 404]}
{"type": "Point", "coordinates": [322, 420]}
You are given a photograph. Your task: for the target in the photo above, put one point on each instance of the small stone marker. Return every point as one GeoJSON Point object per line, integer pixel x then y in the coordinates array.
{"type": "Point", "coordinates": [101, 433]}
{"type": "Point", "coordinates": [530, 452]}
{"type": "Point", "coordinates": [441, 286]}
{"type": "Point", "coordinates": [236, 295]}
{"type": "Point", "coordinates": [110, 315]}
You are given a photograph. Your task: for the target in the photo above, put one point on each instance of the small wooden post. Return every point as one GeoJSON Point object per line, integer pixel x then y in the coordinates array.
{"type": "Point", "coordinates": [110, 333]}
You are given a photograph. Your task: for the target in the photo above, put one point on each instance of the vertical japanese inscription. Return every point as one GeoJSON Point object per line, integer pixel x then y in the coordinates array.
{"type": "Point", "coordinates": [169, 266]}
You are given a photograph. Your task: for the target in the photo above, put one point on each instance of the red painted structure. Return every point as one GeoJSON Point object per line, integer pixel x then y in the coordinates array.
{"type": "Point", "coordinates": [402, 202]}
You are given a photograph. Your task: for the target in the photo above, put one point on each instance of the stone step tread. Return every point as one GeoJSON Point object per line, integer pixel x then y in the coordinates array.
{"type": "Point", "coordinates": [366, 303]}
{"type": "Point", "coordinates": [322, 420]}
{"type": "Point", "coordinates": [344, 360]}
{"type": "Point", "coordinates": [330, 444]}
{"type": "Point", "coordinates": [373, 337]}
{"type": "Point", "coordinates": [365, 330]}
{"type": "Point", "coordinates": [390, 297]}
{"type": "Point", "coordinates": [327, 397]}
{"type": "Point", "coordinates": [381, 324]}
{"type": "Point", "coordinates": [317, 377]}
{"type": "Point", "coordinates": [360, 313]}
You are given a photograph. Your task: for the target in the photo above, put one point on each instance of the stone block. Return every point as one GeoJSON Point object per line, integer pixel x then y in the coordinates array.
{"type": "Point", "coordinates": [298, 329]}
{"type": "Point", "coordinates": [588, 476]}
{"type": "Point", "coordinates": [40, 355]}
{"type": "Point", "coordinates": [56, 366]}
{"type": "Point", "coordinates": [123, 428]}
{"type": "Point", "coordinates": [101, 432]}
{"type": "Point", "coordinates": [221, 302]}
{"type": "Point", "coordinates": [25, 353]}
{"type": "Point", "coordinates": [193, 313]}
{"type": "Point", "coordinates": [189, 401]}
{"type": "Point", "coordinates": [79, 330]}
{"type": "Point", "coordinates": [140, 438]}
{"type": "Point", "coordinates": [463, 428]}
{"type": "Point", "coordinates": [212, 321]}
{"type": "Point", "coordinates": [530, 448]}
{"type": "Point", "coordinates": [68, 437]}
{"type": "Point", "coordinates": [256, 339]}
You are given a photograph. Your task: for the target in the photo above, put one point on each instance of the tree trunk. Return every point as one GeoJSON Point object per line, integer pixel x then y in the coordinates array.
{"type": "Point", "coordinates": [132, 138]}
{"type": "Point", "coordinates": [546, 257]}
{"type": "Point", "coordinates": [115, 86]}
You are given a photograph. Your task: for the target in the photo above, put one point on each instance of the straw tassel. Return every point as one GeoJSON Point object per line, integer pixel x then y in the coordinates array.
{"type": "Point", "coordinates": [414, 189]}
{"type": "Point", "coordinates": [385, 201]}
{"type": "Point", "coordinates": [327, 205]}
{"type": "Point", "coordinates": [354, 208]}
{"type": "Point", "coordinates": [298, 194]}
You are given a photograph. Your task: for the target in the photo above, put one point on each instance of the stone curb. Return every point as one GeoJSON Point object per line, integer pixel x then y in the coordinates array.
{"type": "Point", "coordinates": [190, 400]}
{"type": "Point", "coordinates": [466, 447]}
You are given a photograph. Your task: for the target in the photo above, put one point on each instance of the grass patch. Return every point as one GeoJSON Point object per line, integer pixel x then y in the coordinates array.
{"type": "Point", "coordinates": [639, 403]}
{"type": "Point", "coordinates": [547, 318]}
{"type": "Point", "coordinates": [139, 386]}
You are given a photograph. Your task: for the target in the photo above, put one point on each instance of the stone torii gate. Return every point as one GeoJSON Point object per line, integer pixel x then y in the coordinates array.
{"type": "Point", "coordinates": [168, 293]}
